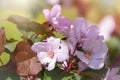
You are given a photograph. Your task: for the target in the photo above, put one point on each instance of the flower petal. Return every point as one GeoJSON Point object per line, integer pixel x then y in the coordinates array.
{"type": "Point", "coordinates": [80, 26]}
{"type": "Point", "coordinates": [114, 71]}
{"type": "Point", "coordinates": [46, 13]}
{"type": "Point", "coordinates": [116, 77]}
{"type": "Point", "coordinates": [54, 42]}
{"type": "Point", "coordinates": [40, 47]}
{"type": "Point", "coordinates": [82, 66]}
{"type": "Point", "coordinates": [92, 32]}
{"type": "Point", "coordinates": [96, 63]}
{"type": "Point", "coordinates": [44, 58]}
{"type": "Point", "coordinates": [97, 48]}
{"type": "Point", "coordinates": [51, 65]}
{"type": "Point", "coordinates": [62, 53]}
{"type": "Point", "coordinates": [64, 22]}
{"type": "Point", "coordinates": [82, 57]}
{"type": "Point", "coordinates": [56, 11]}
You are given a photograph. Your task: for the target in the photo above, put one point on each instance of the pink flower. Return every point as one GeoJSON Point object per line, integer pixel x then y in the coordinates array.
{"type": "Point", "coordinates": [80, 32]}
{"type": "Point", "coordinates": [112, 74]}
{"type": "Point", "coordinates": [55, 19]}
{"type": "Point", "coordinates": [52, 51]}
{"type": "Point", "coordinates": [94, 52]}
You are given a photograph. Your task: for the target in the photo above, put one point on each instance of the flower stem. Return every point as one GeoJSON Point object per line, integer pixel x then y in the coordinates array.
{"type": "Point", "coordinates": [75, 48]}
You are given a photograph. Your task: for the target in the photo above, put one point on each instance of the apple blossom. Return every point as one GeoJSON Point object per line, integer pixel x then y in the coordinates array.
{"type": "Point", "coordinates": [56, 20]}
{"type": "Point", "coordinates": [52, 51]}
{"type": "Point", "coordinates": [94, 52]}
{"type": "Point", "coordinates": [88, 39]}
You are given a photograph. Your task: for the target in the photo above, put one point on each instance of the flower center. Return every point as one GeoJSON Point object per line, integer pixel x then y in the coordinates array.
{"type": "Point", "coordinates": [51, 54]}
{"type": "Point", "coordinates": [88, 55]}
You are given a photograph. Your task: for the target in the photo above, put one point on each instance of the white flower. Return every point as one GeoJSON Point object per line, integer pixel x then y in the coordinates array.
{"type": "Point", "coordinates": [52, 51]}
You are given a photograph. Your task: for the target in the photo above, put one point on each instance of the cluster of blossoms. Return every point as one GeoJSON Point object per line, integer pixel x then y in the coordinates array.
{"type": "Point", "coordinates": [81, 41]}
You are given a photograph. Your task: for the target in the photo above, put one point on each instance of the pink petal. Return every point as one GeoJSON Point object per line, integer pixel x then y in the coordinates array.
{"type": "Point", "coordinates": [40, 47]}
{"type": "Point", "coordinates": [56, 11]}
{"type": "Point", "coordinates": [80, 26]}
{"type": "Point", "coordinates": [82, 57]}
{"type": "Point", "coordinates": [97, 48]}
{"type": "Point", "coordinates": [82, 66]}
{"type": "Point", "coordinates": [46, 13]}
{"type": "Point", "coordinates": [64, 22]}
{"type": "Point", "coordinates": [96, 63]}
{"type": "Point", "coordinates": [114, 71]}
{"type": "Point", "coordinates": [100, 50]}
{"type": "Point", "coordinates": [92, 32]}
{"type": "Point", "coordinates": [116, 77]}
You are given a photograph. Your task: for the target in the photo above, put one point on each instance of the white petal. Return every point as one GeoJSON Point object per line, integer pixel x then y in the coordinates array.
{"type": "Point", "coordinates": [51, 65]}
{"type": "Point", "coordinates": [46, 13]}
{"type": "Point", "coordinates": [44, 58]}
{"type": "Point", "coordinates": [54, 42]}
{"type": "Point", "coordinates": [62, 53]}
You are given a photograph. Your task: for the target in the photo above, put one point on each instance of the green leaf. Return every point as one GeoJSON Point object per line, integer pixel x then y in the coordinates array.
{"type": "Point", "coordinates": [77, 76]}
{"type": "Point", "coordinates": [57, 74]}
{"type": "Point", "coordinates": [58, 35]}
{"type": "Point", "coordinates": [8, 75]}
{"type": "Point", "coordinates": [10, 47]}
{"type": "Point", "coordinates": [5, 57]}
{"type": "Point", "coordinates": [39, 38]}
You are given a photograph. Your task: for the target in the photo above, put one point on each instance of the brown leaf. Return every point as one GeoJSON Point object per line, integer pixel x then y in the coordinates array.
{"type": "Point", "coordinates": [29, 67]}
{"type": "Point", "coordinates": [24, 23]}
{"type": "Point", "coordinates": [2, 40]}
{"type": "Point", "coordinates": [23, 51]}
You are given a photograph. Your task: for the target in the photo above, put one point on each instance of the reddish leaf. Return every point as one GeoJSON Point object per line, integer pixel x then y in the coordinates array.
{"type": "Point", "coordinates": [2, 40]}
{"type": "Point", "coordinates": [23, 51]}
{"type": "Point", "coordinates": [29, 67]}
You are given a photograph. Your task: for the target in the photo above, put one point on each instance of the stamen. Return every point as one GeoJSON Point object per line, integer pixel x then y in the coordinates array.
{"type": "Point", "coordinates": [51, 54]}
{"type": "Point", "coordinates": [88, 55]}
